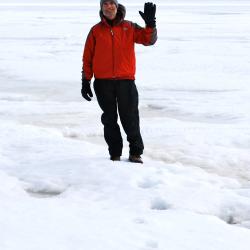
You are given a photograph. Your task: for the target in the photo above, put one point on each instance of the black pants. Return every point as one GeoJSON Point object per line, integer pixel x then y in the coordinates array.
{"type": "Point", "coordinates": [122, 95]}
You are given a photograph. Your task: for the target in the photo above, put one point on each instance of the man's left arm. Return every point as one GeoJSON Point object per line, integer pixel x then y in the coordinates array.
{"type": "Point", "coordinates": [148, 35]}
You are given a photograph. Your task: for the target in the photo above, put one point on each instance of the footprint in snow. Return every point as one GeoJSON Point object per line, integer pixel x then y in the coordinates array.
{"type": "Point", "coordinates": [159, 204]}
{"type": "Point", "coordinates": [44, 193]}
{"type": "Point", "coordinates": [148, 183]}
{"type": "Point", "coordinates": [139, 220]}
{"type": "Point", "coordinates": [152, 244]}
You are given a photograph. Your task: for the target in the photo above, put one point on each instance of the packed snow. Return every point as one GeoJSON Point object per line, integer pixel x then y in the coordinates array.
{"type": "Point", "coordinates": [59, 190]}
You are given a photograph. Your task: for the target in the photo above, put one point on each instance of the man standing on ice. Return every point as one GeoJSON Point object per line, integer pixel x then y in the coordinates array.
{"type": "Point", "coordinates": [109, 56]}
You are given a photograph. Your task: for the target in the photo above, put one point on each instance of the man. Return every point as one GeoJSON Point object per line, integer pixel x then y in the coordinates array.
{"type": "Point", "coordinates": [109, 56]}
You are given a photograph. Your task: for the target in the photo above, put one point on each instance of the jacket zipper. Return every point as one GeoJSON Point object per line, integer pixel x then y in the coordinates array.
{"type": "Point", "coordinates": [113, 53]}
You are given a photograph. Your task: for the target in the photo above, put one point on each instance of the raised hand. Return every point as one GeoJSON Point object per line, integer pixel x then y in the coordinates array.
{"type": "Point", "coordinates": [149, 14]}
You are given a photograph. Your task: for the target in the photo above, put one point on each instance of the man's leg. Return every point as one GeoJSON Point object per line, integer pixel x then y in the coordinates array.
{"type": "Point", "coordinates": [127, 98]}
{"type": "Point", "coordinates": [106, 97]}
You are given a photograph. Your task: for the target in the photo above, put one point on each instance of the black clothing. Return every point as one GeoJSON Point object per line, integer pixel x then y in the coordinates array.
{"type": "Point", "coordinates": [121, 96]}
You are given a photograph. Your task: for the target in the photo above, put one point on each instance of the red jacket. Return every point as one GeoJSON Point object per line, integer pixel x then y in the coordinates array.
{"type": "Point", "coordinates": [109, 50]}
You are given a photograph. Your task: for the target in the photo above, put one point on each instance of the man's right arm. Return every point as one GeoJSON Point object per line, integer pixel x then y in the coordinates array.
{"type": "Point", "coordinates": [88, 53]}
{"type": "Point", "coordinates": [87, 71]}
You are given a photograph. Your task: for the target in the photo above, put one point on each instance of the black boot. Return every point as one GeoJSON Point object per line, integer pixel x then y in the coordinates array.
{"type": "Point", "coordinates": [135, 159]}
{"type": "Point", "coordinates": [115, 158]}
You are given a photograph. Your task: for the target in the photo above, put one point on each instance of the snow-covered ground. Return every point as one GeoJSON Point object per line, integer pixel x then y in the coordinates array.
{"type": "Point", "coordinates": [58, 188]}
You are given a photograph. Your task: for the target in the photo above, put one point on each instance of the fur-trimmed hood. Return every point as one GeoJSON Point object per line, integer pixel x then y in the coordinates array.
{"type": "Point", "coordinates": [120, 16]}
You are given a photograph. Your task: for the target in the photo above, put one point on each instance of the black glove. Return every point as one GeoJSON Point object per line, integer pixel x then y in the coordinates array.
{"type": "Point", "coordinates": [149, 14]}
{"type": "Point", "coordinates": [86, 90]}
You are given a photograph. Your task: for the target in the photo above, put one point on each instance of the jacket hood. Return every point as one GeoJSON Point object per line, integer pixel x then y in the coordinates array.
{"type": "Point", "coordinates": [120, 16]}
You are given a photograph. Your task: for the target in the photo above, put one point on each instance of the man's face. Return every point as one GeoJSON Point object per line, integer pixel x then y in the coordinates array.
{"type": "Point", "coordinates": [109, 10]}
